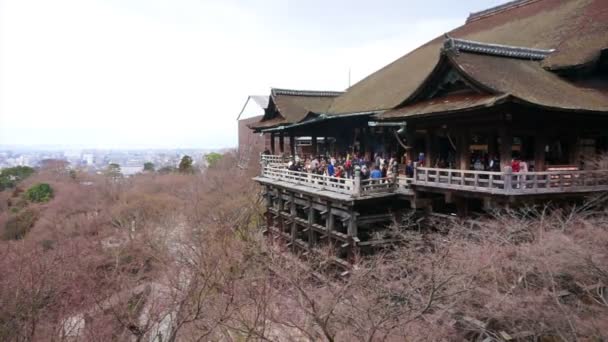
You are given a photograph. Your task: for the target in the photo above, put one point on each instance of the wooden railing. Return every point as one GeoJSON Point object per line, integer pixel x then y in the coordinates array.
{"type": "Point", "coordinates": [483, 181]}
{"type": "Point", "coordinates": [321, 182]}
{"type": "Point", "coordinates": [509, 183]}
{"type": "Point", "coordinates": [501, 183]}
{"type": "Point", "coordinates": [273, 160]}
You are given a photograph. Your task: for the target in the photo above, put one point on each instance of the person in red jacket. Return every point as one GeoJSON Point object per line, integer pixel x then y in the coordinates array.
{"type": "Point", "coordinates": [515, 165]}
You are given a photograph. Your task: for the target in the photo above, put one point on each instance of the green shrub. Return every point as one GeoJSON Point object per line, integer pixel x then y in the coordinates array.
{"type": "Point", "coordinates": [11, 176]}
{"type": "Point", "coordinates": [41, 192]}
{"type": "Point", "coordinates": [18, 225]}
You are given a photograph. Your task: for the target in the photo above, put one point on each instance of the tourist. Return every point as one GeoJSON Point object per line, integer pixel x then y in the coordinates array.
{"type": "Point", "coordinates": [409, 169]}
{"type": "Point", "coordinates": [376, 173]}
{"type": "Point", "coordinates": [421, 159]}
{"type": "Point", "coordinates": [330, 170]}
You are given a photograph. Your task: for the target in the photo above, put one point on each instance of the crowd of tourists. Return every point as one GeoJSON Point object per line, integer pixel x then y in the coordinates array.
{"type": "Point", "coordinates": [344, 166]}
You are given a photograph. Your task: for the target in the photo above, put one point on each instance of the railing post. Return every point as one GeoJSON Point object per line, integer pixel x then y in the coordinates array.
{"type": "Point", "coordinates": [508, 179]}
{"type": "Point", "coordinates": [395, 172]}
{"type": "Point", "coordinates": [264, 164]}
{"type": "Point", "coordinates": [415, 171]}
{"type": "Point", "coordinates": [357, 185]}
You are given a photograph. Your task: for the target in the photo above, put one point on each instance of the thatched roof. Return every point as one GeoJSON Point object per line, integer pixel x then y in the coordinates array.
{"type": "Point", "coordinates": [288, 106]}
{"type": "Point", "coordinates": [576, 30]}
{"type": "Point", "coordinates": [489, 74]}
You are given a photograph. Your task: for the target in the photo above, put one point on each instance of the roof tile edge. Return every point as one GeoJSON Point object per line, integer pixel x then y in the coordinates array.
{"type": "Point", "coordinates": [497, 9]}
{"type": "Point", "coordinates": [294, 92]}
{"type": "Point", "coordinates": [457, 45]}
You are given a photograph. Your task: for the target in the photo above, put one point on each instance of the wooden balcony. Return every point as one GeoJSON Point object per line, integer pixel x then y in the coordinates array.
{"type": "Point", "coordinates": [274, 172]}
{"type": "Point", "coordinates": [508, 183]}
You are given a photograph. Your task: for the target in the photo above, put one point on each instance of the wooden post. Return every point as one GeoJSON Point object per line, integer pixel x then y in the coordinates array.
{"type": "Point", "coordinates": [462, 207]}
{"type": "Point", "coordinates": [294, 227]}
{"type": "Point", "coordinates": [395, 168]}
{"type": "Point", "coordinates": [329, 223]}
{"type": "Point", "coordinates": [573, 148]}
{"type": "Point", "coordinates": [492, 144]}
{"type": "Point", "coordinates": [280, 210]}
{"type": "Point", "coordinates": [362, 141]}
{"type": "Point", "coordinates": [313, 142]}
{"type": "Point", "coordinates": [269, 223]}
{"type": "Point", "coordinates": [508, 179]}
{"type": "Point", "coordinates": [272, 150]}
{"type": "Point", "coordinates": [311, 220]}
{"type": "Point", "coordinates": [352, 224]}
{"type": "Point", "coordinates": [357, 183]}
{"type": "Point", "coordinates": [464, 151]}
{"type": "Point", "coordinates": [429, 148]}
{"type": "Point", "coordinates": [540, 142]}
{"type": "Point", "coordinates": [292, 145]}
{"type": "Point", "coordinates": [410, 136]}
{"type": "Point", "coordinates": [506, 146]}
{"type": "Point", "coordinates": [281, 143]}
{"type": "Point", "coordinates": [415, 165]}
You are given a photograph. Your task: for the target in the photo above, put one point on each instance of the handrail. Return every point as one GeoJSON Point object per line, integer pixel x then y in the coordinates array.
{"type": "Point", "coordinates": [493, 182]}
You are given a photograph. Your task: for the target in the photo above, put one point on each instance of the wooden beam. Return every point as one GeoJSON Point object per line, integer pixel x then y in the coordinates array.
{"type": "Point", "coordinates": [294, 224]}
{"type": "Point", "coordinates": [540, 142]}
{"type": "Point", "coordinates": [272, 149]}
{"type": "Point", "coordinates": [329, 222]}
{"type": "Point", "coordinates": [506, 145]}
{"type": "Point", "coordinates": [429, 143]}
{"type": "Point", "coordinates": [281, 143]}
{"type": "Point", "coordinates": [311, 220]}
{"type": "Point", "coordinates": [292, 144]}
{"type": "Point", "coordinates": [464, 151]}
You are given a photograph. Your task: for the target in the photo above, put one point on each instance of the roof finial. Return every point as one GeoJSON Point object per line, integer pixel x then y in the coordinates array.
{"type": "Point", "coordinates": [449, 44]}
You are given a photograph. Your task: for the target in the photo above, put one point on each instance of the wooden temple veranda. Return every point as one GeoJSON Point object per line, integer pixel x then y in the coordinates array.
{"type": "Point", "coordinates": [495, 88]}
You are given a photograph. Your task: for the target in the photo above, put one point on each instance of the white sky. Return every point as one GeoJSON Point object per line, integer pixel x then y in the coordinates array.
{"type": "Point", "coordinates": [152, 73]}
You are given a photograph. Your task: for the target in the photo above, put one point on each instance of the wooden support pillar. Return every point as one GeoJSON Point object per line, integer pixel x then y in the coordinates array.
{"type": "Point", "coordinates": [315, 150]}
{"type": "Point", "coordinates": [311, 220]}
{"type": "Point", "coordinates": [329, 223]}
{"type": "Point", "coordinates": [428, 144]}
{"type": "Point", "coordinates": [352, 224]}
{"type": "Point", "coordinates": [464, 151]}
{"type": "Point", "coordinates": [281, 143]}
{"type": "Point", "coordinates": [506, 146]}
{"type": "Point", "coordinates": [272, 150]}
{"type": "Point", "coordinates": [540, 142]}
{"type": "Point", "coordinates": [280, 208]}
{"type": "Point", "coordinates": [292, 144]}
{"type": "Point", "coordinates": [462, 207]}
{"type": "Point", "coordinates": [352, 235]}
{"type": "Point", "coordinates": [362, 141]}
{"type": "Point", "coordinates": [410, 136]}
{"type": "Point", "coordinates": [492, 144]}
{"type": "Point", "coordinates": [294, 224]}
{"type": "Point", "coordinates": [269, 221]}
{"type": "Point", "coordinates": [573, 148]}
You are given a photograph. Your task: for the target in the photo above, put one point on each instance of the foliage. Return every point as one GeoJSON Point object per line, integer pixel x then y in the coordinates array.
{"type": "Point", "coordinates": [19, 225]}
{"type": "Point", "coordinates": [122, 256]}
{"type": "Point", "coordinates": [9, 177]}
{"type": "Point", "coordinates": [39, 193]}
{"type": "Point", "coordinates": [166, 169]}
{"type": "Point", "coordinates": [113, 171]}
{"type": "Point", "coordinates": [185, 165]}
{"type": "Point", "coordinates": [149, 166]}
{"type": "Point", "coordinates": [213, 158]}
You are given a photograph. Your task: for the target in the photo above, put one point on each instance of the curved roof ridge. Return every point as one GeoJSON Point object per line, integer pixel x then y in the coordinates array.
{"type": "Point", "coordinates": [296, 92]}
{"type": "Point", "coordinates": [501, 50]}
{"type": "Point", "coordinates": [497, 9]}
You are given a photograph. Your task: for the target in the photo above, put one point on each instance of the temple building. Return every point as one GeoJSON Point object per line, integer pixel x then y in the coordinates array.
{"type": "Point", "coordinates": [510, 108]}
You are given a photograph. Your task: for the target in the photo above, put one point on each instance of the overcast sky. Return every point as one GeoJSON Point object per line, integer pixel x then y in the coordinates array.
{"type": "Point", "coordinates": [175, 73]}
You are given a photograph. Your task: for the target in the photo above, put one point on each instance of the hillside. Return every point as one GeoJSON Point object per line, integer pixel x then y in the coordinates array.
{"type": "Point", "coordinates": [182, 257]}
